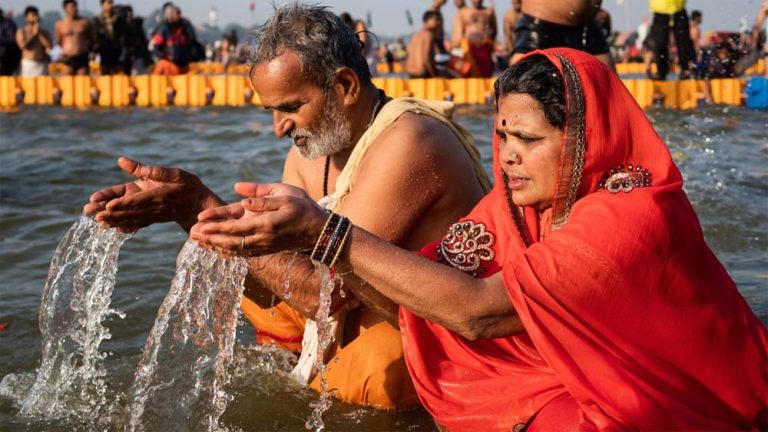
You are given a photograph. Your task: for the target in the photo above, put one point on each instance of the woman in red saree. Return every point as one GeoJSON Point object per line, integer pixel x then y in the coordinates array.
{"type": "Point", "coordinates": [586, 297]}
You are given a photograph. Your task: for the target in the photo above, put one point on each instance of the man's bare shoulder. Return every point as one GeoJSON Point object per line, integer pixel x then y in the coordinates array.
{"type": "Point", "coordinates": [417, 140]}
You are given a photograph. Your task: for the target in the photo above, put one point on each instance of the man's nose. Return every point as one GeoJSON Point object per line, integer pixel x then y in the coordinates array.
{"type": "Point", "coordinates": [282, 124]}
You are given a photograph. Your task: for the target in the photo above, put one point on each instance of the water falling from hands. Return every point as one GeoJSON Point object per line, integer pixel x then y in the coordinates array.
{"type": "Point", "coordinates": [75, 301]}
{"type": "Point", "coordinates": [179, 383]}
{"type": "Point", "coordinates": [321, 405]}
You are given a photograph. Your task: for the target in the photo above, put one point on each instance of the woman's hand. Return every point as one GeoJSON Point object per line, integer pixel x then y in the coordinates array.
{"type": "Point", "coordinates": [157, 195]}
{"type": "Point", "coordinates": [272, 218]}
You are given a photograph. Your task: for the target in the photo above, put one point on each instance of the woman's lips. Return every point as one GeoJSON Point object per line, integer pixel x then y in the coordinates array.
{"type": "Point", "coordinates": [515, 183]}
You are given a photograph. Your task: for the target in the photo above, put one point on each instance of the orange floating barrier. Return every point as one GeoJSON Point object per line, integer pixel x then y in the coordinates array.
{"type": "Point", "coordinates": [218, 84]}
{"type": "Point", "coordinates": [180, 93]}
{"type": "Point", "coordinates": [121, 88]}
{"type": "Point", "coordinates": [236, 90]}
{"type": "Point", "coordinates": [159, 90]}
{"type": "Point", "coordinates": [141, 85]}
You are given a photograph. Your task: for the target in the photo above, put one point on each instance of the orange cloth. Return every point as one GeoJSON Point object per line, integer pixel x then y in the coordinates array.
{"type": "Point", "coordinates": [168, 68]}
{"type": "Point", "coordinates": [480, 57]}
{"type": "Point", "coordinates": [279, 325]}
{"type": "Point", "coordinates": [631, 321]}
{"type": "Point", "coordinates": [370, 370]}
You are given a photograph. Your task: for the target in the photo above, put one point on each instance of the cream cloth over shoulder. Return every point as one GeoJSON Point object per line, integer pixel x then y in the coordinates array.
{"type": "Point", "coordinates": [304, 371]}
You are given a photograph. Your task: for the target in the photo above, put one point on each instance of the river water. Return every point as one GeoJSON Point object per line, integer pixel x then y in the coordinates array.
{"type": "Point", "coordinates": [52, 159]}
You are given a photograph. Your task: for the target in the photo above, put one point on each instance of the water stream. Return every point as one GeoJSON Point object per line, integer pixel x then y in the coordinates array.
{"type": "Point", "coordinates": [70, 382]}
{"type": "Point", "coordinates": [179, 383]}
{"type": "Point", "coordinates": [324, 401]}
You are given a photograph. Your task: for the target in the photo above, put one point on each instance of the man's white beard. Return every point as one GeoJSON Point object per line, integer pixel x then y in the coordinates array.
{"type": "Point", "coordinates": [332, 136]}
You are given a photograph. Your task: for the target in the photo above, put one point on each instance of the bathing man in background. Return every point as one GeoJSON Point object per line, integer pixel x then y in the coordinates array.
{"type": "Point", "coordinates": [475, 31]}
{"type": "Point", "coordinates": [34, 43]}
{"type": "Point", "coordinates": [420, 62]}
{"type": "Point", "coordinates": [414, 173]}
{"type": "Point", "coordinates": [76, 36]}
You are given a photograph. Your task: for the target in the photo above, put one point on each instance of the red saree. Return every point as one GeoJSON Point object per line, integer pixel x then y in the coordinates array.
{"type": "Point", "coordinates": [631, 321]}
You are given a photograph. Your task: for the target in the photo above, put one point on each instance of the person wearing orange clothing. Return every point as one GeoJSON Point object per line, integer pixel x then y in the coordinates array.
{"type": "Point", "coordinates": [174, 43]}
{"type": "Point", "coordinates": [578, 295]}
{"type": "Point", "coordinates": [358, 152]}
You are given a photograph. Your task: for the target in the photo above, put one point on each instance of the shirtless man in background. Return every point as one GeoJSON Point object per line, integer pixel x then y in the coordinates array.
{"type": "Point", "coordinates": [420, 62]}
{"type": "Point", "coordinates": [475, 31]}
{"type": "Point", "coordinates": [76, 37]}
{"type": "Point", "coordinates": [476, 23]}
{"type": "Point", "coordinates": [34, 43]}
{"type": "Point", "coordinates": [563, 23]}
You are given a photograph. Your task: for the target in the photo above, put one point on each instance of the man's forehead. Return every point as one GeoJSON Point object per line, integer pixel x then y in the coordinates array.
{"type": "Point", "coordinates": [280, 79]}
{"type": "Point", "coordinates": [284, 67]}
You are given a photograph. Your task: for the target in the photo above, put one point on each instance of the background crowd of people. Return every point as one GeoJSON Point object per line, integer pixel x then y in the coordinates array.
{"type": "Point", "coordinates": [480, 43]}
{"type": "Point", "coordinates": [115, 40]}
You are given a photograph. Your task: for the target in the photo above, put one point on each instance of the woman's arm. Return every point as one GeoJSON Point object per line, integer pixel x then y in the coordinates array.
{"type": "Point", "coordinates": [281, 217]}
{"type": "Point", "coordinates": [474, 308]}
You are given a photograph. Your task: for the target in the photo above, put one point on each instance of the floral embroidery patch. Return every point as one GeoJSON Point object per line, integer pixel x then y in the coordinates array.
{"type": "Point", "coordinates": [624, 179]}
{"type": "Point", "coordinates": [466, 246]}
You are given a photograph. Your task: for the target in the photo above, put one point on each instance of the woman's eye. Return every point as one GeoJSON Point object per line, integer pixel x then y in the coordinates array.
{"type": "Point", "coordinates": [501, 136]}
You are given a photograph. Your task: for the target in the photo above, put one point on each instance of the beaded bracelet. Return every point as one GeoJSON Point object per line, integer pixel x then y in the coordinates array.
{"type": "Point", "coordinates": [332, 239]}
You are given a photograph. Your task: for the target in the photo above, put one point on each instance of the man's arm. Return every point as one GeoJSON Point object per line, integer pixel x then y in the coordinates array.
{"type": "Point", "coordinates": [59, 33]}
{"type": "Point", "coordinates": [759, 21]}
{"type": "Point", "coordinates": [458, 30]}
{"type": "Point", "coordinates": [509, 31]}
{"type": "Point", "coordinates": [21, 39]}
{"type": "Point", "coordinates": [45, 39]}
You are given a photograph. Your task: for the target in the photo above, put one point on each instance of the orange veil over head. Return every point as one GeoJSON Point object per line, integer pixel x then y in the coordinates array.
{"type": "Point", "coordinates": [629, 316]}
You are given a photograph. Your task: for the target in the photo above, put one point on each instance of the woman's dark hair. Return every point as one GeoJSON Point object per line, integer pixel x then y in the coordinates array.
{"type": "Point", "coordinates": [538, 77]}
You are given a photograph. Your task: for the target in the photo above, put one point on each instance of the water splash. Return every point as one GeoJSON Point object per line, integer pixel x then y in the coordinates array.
{"type": "Point", "coordinates": [323, 403]}
{"type": "Point", "coordinates": [76, 298]}
{"type": "Point", "coordinates": [179, 382]}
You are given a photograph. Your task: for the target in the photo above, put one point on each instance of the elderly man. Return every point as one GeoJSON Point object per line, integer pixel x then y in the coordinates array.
{"type": "Point", "coordinates": [414, 172]}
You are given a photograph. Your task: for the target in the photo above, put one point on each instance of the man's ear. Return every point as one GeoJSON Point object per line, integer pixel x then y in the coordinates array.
{"type": "Point", "coordinates": [347, 86]}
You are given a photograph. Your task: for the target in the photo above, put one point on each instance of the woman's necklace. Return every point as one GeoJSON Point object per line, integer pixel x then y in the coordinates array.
{"type": "Point", "coordinates": [374, 113]}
